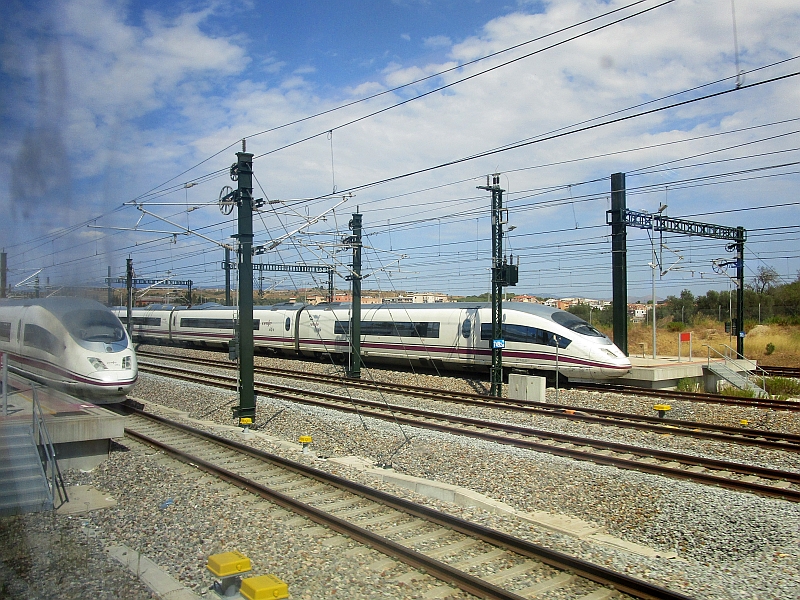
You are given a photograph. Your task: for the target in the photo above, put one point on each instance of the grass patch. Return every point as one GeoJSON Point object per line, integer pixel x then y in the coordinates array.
{"type": "Point", "coordinates": [736, 392]}
{"type": "Point", "coordinates": [770, 344]}
{"type": "Point", "coordinates": [687, 384]}
{"type": "Point", "coordinates": [783, 387]}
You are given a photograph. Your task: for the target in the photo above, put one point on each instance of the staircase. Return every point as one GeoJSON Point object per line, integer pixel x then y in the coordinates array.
{"type": "Point", "coordinates": [736, 377]}
{"type": "Point", "coordinates": [24, 485]}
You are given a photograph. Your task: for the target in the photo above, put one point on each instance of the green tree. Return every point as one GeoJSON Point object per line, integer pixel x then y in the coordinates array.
{"type": "Point", "coordinates": [580, 310]}
{"type": "Point", "coordinates": [714, 304]}
{"type": "Point", "coordinates": [681, 309]}
{"type": "Point", "coordinates": [765, 279]}
{"type": "Point", "coordinates": [787, 299]}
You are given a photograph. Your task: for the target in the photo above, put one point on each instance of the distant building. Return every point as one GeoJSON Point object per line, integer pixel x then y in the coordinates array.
{"type": "Point", "coordinates": [638, 312]}
{"type": "Point", "coordinates": [525, 298]}
{"type": "Point", "coordinates": [321, 298]}
{"type": "Point", "coordinates": [417, 298]}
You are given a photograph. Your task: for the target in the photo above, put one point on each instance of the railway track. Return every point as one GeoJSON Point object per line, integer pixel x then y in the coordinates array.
{"type": "Point", "coordinates": [740, 435]}
{"type": "Point", "coordinates": [782, 371]}
{"type": "Point", "coordinates": [731, 475]}
{"type": "Point", "coordinates": [692, 396]}
{"type": "Point", "coordinates": [413, 390]}
{"type": "Point", "coordinates": [471, 557]}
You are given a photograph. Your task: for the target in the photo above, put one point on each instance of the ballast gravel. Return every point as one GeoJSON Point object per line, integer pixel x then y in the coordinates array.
{"type": "Point", "coordinates": [709, 542]}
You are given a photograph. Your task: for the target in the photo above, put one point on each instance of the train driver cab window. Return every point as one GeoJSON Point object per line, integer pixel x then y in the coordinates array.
{"type": "Point", "coordinates": [94, 326]}
{"type": "Point", "coordinates": [466, 329]}
{"type": "Point", "coordinates": [288, 324]}
{"type": "Point", "coordinates": [39, 337]}
{"type": "Point", "coordinates": [575, 324]}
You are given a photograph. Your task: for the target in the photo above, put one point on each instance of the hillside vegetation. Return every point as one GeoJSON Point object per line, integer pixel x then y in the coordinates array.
{"type": "Point", "coordinates": [768, 344]}
{"type": "Point", "coordinates": [771, 322]}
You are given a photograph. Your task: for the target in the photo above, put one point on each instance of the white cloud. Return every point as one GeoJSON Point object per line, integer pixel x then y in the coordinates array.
{"type": "Point", "coordinates": [153, 100]}
{"type": "Point", "coordinates": [437, 41]}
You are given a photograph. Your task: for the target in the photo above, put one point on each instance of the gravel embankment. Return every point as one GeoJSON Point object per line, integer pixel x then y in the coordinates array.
{"type": "Point", "coordinates": [728, 545]}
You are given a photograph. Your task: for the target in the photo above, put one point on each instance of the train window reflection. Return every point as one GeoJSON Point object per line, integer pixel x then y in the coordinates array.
{"type": "Point", "coordinates": [151, 321]}
{"type": "Point", "coordinates": [575, 324]}
{"type": "Point", "coordinates": [526, 335]}
{"type": "Point", "coordinates": [211, 323]}
{"type": "Point", "coordinates": [39, 337]}
{"type": "Point", "coordinates": [94, 326]}
{"type": "Point", "coordinates": [5, 332]}
{"type": "Point", "coordinates": [391, 329]}
{"type": "Point", "coordinates": [466, 329]}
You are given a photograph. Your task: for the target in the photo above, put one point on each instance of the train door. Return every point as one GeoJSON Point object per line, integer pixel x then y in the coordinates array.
{"type": "Point", "coordinates": [172, 321]}
{"type": "Point", "coordinates": [297, 336]}
{"type": "Point", "coordinates": [469, 334]}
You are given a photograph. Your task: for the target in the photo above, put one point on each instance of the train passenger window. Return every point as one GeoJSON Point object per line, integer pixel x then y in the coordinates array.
{"type": "Point", "coordinates": [94, 326]}
{"type": "Point", "coordinates": [525, 335]}
{"type": "Point", "coordinates": [390, 329]}
{"type": "Point", "coordinates": [208, 323]}
{"type": "Point", "coordinates": [288, 324]}
{"type": "Point", "coordinates": [39, 337]}
{"type": "Point", "coordinates": [400, 329]}
{"type": "Point", "coordinates": [149, 321]}
{"type": "Point", "coordinates": [5, 332]}
{"type": "Point", "coordinates": [211, 323]}
{"type": "Point", "coordinates": [466, 329]}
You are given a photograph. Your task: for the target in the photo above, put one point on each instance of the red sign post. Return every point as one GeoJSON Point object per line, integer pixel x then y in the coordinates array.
{"type": "Point", "coordinates": [684, 337]}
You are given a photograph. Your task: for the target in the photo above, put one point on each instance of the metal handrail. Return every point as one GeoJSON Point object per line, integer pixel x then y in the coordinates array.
{"type": "Point", "coordinates": [726, 357]}
{"type": "Point", "coordinates": [47, 454]}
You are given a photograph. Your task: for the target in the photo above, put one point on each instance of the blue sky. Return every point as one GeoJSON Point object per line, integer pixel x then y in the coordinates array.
{"type": "Point", "coordinates": [107, 104]}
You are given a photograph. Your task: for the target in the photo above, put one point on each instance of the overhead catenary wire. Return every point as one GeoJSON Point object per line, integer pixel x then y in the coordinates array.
{"type": "Point", "coordinates": [396, 88]}
{"type": "Point", "coordinates": [66, 233]}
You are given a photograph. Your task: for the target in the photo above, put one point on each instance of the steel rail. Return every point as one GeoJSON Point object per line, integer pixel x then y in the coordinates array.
{"type": "Point", "coordinates": [390, 413]}
{"type": "Point", "coordinates": [772, 440]}
{"type": "Point", "coordinates": [781, 371]}
{"type": "Point", "coordinates": [690, 396]}
{"type": "Point", "coordinates": [441, 570]}
{"type": "Point", "coordinates": [723, 399]}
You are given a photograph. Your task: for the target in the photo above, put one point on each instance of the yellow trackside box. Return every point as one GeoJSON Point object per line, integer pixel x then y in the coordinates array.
{"type": "Point", "coordinates": [264, 587]}
{"type": "Point", "coordinates": [228, 563]}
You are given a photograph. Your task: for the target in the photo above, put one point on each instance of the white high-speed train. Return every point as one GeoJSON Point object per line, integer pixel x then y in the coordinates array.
{"type": "Point", "coordinates": [447, 336]}
{"type": "Point", "coordinates": [72, 344]}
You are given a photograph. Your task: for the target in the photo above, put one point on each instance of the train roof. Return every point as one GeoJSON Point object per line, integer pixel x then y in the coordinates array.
{"type": "Point", "coordinates": [539, 310]}
{"type": "Point", "coordinates": [527, 307]}
{"type": "Point", "coordinates": [58, 305]}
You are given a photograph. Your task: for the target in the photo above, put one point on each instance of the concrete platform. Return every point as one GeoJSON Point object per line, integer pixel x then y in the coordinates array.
{"type": "Point", "coordinates": [664, 372]}
{"type": "Point", "coordinates": [81, 432]}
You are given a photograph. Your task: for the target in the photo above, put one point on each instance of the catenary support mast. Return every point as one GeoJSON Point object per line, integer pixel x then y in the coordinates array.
{"type": "Point", "coordinates": [503, 274]}
{"type": "Point", "coordinates": [619, 265]}
{"type": "Point", "coordinates": [620, 217]}
{"type": "Point", "coordinates": [355, 321]}
{"type": "Point", "coordinates": [242, 171]}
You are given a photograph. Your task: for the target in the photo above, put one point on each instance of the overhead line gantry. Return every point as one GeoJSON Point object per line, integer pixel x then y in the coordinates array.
{"type": "Point", "coordinates": [620, 217]}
